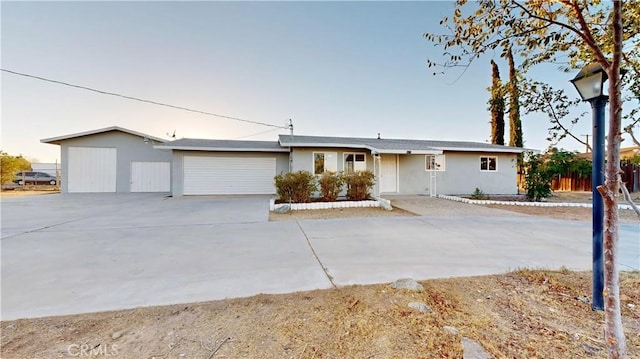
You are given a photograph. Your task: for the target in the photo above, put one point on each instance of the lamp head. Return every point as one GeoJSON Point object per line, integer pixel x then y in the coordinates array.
{"type": "Point", "coordinates": [590, 81]}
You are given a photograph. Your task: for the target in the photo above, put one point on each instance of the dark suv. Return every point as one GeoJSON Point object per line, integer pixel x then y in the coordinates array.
{"type": "Point", "coordinates": [35, 178]}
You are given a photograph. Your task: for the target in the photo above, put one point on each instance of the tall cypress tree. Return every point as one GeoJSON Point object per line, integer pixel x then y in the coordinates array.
{"type": "Point", "coordinates": [496, 106]}
{"type": "Point", "coordinates": [515, 126]}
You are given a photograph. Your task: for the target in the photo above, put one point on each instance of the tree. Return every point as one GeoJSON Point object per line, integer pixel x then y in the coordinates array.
{"type": "Point", "coordinates": [496, 105]}
{"type": "Point", "coordinates": [10, 165]}
{"type": "Point", "coordinates": [575, 32]}
{"type": "Point", "coordinates": [515, 124]}
{"type": "Point", "coordinates": [557, 106]}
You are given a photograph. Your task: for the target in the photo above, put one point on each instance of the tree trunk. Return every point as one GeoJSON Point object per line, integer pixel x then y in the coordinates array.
{"type": "Point", "coordinates": [614, 335]}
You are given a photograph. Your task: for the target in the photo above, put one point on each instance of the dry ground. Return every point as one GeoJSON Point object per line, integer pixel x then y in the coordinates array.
{"type": "Point", "coordinates": [28, 191]}
{"type": "Point", "coordinates": [524, 314]}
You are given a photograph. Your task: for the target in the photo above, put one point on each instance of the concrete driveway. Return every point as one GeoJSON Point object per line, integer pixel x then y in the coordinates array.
{"type": "Point", "coordinates": [86, 253]}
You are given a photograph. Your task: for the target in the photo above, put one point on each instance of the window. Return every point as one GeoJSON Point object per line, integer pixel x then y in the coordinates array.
{"type": "Point", "coordinates": [354, 162]}
{"type": "Point", "coordinates": [434, 162]}
{"type": "Point", "coordinates": [488, 163]}
{"type": "Point", "coordinates": [324, 161]}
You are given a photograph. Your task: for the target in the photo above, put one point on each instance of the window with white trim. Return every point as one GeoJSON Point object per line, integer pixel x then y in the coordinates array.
{"type": "Point", "coordinates": [354, 162]}
{"type": "Point", "coordinates": [489, 163]}
{"type": "Point", "coordinates": [434, 162]}
{"type": "Point", "coordinates": [325, 161]}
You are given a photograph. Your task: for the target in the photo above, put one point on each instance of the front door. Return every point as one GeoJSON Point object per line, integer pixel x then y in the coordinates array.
{"type": "Point", "coordinates": [389, 173]}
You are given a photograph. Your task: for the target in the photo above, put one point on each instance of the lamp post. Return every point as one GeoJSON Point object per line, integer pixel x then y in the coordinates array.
{"type": "Point", "coordinates": [590, 82]}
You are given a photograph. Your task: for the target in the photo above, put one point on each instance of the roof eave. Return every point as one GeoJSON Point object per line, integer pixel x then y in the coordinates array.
{"type": "Point", "coordinates": [219, 149]}
{"type": "Point", "coordinates": [58, 139]}
{"type": "Point", "coordinates": [471, 149]}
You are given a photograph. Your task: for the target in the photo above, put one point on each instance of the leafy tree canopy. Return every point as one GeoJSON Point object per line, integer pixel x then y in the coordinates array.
{"type": "Point", "coordinates": [10, 165]}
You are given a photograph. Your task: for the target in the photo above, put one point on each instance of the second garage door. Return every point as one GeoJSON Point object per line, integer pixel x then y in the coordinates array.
{"type": "Point", "coordinates": [229, 175]}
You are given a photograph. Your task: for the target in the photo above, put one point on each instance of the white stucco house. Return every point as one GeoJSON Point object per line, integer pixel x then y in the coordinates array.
{"type": "Point", "coordinates": [120, 160]}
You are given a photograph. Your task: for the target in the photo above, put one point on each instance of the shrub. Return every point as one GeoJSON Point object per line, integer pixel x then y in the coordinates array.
{"type": "Point", "coordinates": [538, 178]}
{"type": "Point", "coordinates": [330, 186]}
{"type": "Point", "coordinates": [478, 194]}
{"type": "Point", "coordinates": [295, 187]}
{"type": "Point", "coordinates": [359, 185]}
{"type": "Point", "coordinates": [9, 165]}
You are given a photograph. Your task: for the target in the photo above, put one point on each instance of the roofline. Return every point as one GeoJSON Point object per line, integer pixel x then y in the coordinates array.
{"type": "Point", "coordinates": [405, 152]}
{"type": "Point", "coordinates": [298, 144]}
{"type": "Point", "coordinates": [58, 139]}
{"type": "Point", "coordinates": [220, 149]}
{"type": "Point", "coordinates": [436, 149]}
{"type": "Point", "coordinates": [472, 149]}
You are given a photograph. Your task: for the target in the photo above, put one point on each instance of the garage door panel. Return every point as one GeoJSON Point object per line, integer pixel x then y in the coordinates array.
{"type": "Point", "coordinates": [150, 176]}
{"type": "Point", "coordinates": [91, 169]}
{"type": "Point", "coordinates": [229, 175]}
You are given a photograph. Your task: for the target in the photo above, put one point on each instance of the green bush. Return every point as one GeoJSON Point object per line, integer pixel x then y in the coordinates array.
{"type": "Point", "coordinates": [10, 165]}
{"type": "Point", "coordinates": [295, 187]}
{"type": "Point", "coordinates": [478, 194]}
{"type": "Point", "coordinates": [330, 185]}
{"type": "Point", "coordinates": [538, 178]}
{"type": "Point", "coordinates": [359, 185]}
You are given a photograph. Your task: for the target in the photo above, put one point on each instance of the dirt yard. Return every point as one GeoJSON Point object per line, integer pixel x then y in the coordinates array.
{"type": "Point", "coordinates": [524, 314]}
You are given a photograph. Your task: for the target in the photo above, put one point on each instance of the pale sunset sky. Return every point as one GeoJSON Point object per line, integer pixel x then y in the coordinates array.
{"type": "Point", "coordinates": [335, 68]}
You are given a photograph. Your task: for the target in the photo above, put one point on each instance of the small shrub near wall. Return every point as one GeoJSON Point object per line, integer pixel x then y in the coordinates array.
{"type": "Point", "coordinates": [295, 187]}
{"type": "Point", "coordinates": [359, 185]}
{"type": "Point", "coordinates": [330, 186]}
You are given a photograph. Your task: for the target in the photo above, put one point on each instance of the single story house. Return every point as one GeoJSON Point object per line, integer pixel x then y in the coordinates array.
{"type": "Point", "coordinates": [112, 159]}
{"type": "Point", "coordinates": [412, 166]}
{"type": "Point", "coordinates": [115, 159]}
{"type": "Point", "coordinates": [401, 166]}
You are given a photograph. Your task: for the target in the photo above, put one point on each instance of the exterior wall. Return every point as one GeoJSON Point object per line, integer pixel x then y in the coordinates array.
{"type": "Point", "coordinates": [302, 159]}
{"type": "Point", "coordinates": [177, 185]}
{"type": "Point", "coordinates": [129, 148]}
{"type": "Point", "coordinates": [462, 174]}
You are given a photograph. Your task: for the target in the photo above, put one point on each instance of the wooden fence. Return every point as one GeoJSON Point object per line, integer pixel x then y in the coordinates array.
{"type": "Point", "coordinates": [573, 182]}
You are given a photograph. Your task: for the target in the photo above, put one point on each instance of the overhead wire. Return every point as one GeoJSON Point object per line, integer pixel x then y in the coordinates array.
{"type": "Point", "coordinates": [255, 134]}
{"type": "Point", "coordinates": [141, 100]}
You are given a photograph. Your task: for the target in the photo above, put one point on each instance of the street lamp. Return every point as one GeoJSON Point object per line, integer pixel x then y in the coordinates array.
{"type": "Point", "coordinates": [590, 82]}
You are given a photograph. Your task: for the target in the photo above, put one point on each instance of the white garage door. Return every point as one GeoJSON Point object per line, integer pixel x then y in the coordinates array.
{"type": "Point", "coordinates": [91, 169]}
{"type": "Point", "coordinates": [150, 176]}
{"type": "Point", "coordinates": [229, 175]}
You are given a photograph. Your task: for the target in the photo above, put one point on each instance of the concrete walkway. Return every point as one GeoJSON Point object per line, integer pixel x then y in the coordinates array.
{"type": "Point", "coordinates": [94, 253]}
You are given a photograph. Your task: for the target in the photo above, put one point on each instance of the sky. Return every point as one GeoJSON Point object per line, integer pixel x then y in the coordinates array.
{"type": "Point", "coordinates": [334, 68]}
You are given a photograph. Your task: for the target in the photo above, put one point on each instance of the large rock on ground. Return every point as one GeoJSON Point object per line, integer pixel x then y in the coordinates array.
{"type": "Point", "coordinates": [421, 307]}
{"type": "Point", "coordinates": [473, 350]}
{"type": "Point", "coordinates": [407, 283]}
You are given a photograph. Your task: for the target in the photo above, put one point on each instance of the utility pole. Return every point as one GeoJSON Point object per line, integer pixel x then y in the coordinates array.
{"type": "Point", "coordinates": [291, 148]}
{"type": "Point", "coordinates": [586, 143]}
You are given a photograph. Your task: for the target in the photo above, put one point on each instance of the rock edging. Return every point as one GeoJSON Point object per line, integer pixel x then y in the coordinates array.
{"type": "Point", "coordinates": [529, 204]}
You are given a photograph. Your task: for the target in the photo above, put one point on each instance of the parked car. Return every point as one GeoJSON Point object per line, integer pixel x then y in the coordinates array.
{"type": "Point", "coordinates": [35, 178]}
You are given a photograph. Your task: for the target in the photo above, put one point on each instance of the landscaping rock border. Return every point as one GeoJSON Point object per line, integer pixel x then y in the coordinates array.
{"type": "Point", "coordinates": [530, 204]}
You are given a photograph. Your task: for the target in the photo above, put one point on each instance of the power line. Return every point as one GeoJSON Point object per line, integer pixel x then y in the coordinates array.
{"type": "Point", "coordinates": [140, 99]}
{"type": "Point", "coordinates": [255, 134]}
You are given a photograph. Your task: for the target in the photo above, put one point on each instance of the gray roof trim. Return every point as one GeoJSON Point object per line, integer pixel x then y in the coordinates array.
{"type": "Point", "coordinates": [196, 144]}
{"type": "Point", "coordinates": [398, 146]}
{"type": "Point", "coordinates": [220, 149]}
{"type": "Point", "coordinates": [472, 149]}
{"type": "Point", "coordinates": [405, 152]}
{"type": "Point", "coordinates": [58, 139]}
